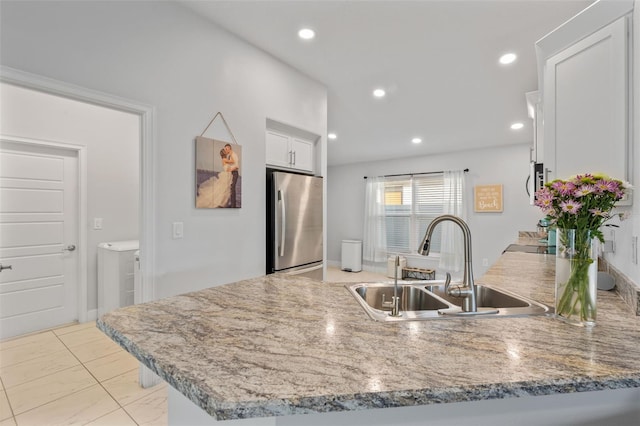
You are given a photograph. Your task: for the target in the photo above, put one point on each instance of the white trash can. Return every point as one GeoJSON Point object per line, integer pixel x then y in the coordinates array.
{"type": "Point", "coordinates": [352, 255]}
{"type": "Point", "coordinates": [115, 275]}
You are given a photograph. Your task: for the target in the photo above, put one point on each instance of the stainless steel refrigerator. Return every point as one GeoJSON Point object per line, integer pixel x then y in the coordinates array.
{"type": "Point", "coordinates": [294, 224]}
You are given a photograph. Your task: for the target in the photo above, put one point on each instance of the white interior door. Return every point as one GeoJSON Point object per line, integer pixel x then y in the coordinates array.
{"type": "Point", "coordinates": [38, 237]}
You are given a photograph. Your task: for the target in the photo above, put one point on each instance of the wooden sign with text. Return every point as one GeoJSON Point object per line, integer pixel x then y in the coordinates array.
{"type": "Point", "coordinates": [487, 198]}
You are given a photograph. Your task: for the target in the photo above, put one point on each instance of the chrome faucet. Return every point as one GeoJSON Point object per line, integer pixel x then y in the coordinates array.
{"type": "Point", "coordinates": [395, 309]}
{"type": "Point", "coordinates": [468, 288]}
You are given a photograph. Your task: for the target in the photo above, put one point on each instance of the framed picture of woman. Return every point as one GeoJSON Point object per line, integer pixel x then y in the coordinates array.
{"type": "Point", "coordinates": [218, 174]}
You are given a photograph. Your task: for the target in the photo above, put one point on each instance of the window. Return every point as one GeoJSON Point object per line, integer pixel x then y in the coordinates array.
{"type": "Point", "coordinates": [399, 209]}
{"type": "Point", "coordinates": [411, 203]}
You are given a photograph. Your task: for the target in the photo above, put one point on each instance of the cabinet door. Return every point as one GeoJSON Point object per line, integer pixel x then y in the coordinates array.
{"type": "Point", "coordinates": [278, 151]}
{"type": "Point", "coordinates": [538, 134]}
{"type": "Point", "coordinates": [302, 154]}
{"type": "Point", "coordinates": [586, 106]}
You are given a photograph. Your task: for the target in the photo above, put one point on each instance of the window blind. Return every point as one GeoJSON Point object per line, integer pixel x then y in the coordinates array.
{"type": "Point", "coordinates": [411, 203]}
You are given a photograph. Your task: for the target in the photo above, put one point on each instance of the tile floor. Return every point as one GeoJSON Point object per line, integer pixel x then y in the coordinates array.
{"type": "Point", "coordinates": [75, 375]}
{"type": "Point", "coordinates": [335, 274]}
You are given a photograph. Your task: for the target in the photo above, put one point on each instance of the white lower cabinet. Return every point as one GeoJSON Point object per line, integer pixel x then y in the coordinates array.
{"type": "Point", "coordinates": [289, 152]}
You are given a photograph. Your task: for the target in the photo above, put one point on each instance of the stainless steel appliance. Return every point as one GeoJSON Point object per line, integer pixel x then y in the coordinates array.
{"type": "Point", "coordinates": [535, 181]}
{"type": "Point", "coordinates": [294, 224]}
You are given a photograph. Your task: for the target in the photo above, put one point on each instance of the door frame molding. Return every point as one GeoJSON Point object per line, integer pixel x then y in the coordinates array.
{"type": "Point", "coordinates": [146, 218]}
{"type": "Point", "coordinates": [81, 267]}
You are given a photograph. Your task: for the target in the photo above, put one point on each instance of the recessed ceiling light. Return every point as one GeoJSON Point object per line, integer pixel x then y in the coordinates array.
{"type": "Point", "coordinates": [508, 58]}
{"type": "Point", "coordinates": [379, 93]}
{"type": "Point", "coordinates": [332, 136]}
{"type": "Point", "coordinates": [416, 140]}
{"type": "Point", "coordinates": [517, 126]}
{"type": "Point", "coordinates": [306, 34]}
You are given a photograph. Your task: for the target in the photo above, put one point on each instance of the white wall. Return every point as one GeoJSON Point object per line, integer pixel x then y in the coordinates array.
{"type": "Point", "coordinates": [491, 232]}
{"type": "Point", "coordinates": [161, 54]}
{"type": "Point", "coordinates": [112, 140]}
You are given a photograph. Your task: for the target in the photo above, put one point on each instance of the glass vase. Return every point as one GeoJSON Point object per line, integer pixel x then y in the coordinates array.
{"type": "Point", "coordinates": [576, 277]}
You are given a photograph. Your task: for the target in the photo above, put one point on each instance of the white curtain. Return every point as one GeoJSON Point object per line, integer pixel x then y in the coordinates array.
{"type": "Point", "coordinates": [374, 245]}
{"type": "Point", "coordinates": [452, 247]}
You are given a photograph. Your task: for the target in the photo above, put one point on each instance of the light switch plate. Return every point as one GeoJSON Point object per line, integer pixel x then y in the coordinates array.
{"type": "Point", "coordinates": [97, 223]}
{"type": "Point", "coordinates": [178, 230]}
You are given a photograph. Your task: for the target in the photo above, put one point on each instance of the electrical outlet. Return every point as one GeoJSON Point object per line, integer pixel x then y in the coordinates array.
{"type": "Point", "coordinates": [485, 262]}
{"type": "Point", "coordinates": [609, 246]}
{"type": "Point", "coordinates": [178, 230]}
{"type": "Point", "coordinates": [97, 223]}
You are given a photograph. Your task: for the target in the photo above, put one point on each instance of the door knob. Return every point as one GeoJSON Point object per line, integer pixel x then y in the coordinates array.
{"type": "Point", "coordinates": [2, 267]}
{"type": "Point", "coordinates": [70, 247]}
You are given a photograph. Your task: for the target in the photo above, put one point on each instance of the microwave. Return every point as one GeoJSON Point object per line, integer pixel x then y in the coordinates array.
{"type": "Point", "coordinates": [535, 181]}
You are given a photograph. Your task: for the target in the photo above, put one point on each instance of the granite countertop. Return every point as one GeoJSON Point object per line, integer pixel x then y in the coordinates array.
{"type": "Point", "coordinates": [280, 345]}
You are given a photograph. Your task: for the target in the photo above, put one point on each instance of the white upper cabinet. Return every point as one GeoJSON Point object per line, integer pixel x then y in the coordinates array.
{"type": "Point", "coordinates": [302, 152]}
{"type": "Point", "coordinates": [586, 103]}
{"type": "Point", "coordinates": [584, 79]}
{"type": "Point", "coordinates": [285, 151]}
{"type": "Point", "coordinates": [278, 149]}
{"type": "Point", "coordinates": [534, 107]}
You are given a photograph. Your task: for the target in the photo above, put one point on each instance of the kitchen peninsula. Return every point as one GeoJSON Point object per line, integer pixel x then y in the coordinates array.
{"type": "Point", "coordinates": [284, 350]}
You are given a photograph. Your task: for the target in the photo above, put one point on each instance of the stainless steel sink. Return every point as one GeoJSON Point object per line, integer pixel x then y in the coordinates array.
{"type": "Point", "coordinates": [421, 302]}
{"type": "Point", "coordinates": [411, 298]}
{"type": "Point", "coordinates": [485, 296]}
{"type": "Point", "coordinates": [415, 302]}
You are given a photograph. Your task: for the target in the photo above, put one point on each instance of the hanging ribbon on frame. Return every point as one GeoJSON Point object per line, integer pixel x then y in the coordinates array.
{"type": "Point", "coordinates": [219, 114]}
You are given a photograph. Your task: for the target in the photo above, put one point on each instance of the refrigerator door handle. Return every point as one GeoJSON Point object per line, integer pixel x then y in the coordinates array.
{"type": "Point", "coordinates": [283, 224]}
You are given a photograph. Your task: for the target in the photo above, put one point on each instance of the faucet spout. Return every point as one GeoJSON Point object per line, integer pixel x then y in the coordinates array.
{"type": "Point", "coordinates": [467, 289]}
{"type": "Point", "coordinates": [395, 309]}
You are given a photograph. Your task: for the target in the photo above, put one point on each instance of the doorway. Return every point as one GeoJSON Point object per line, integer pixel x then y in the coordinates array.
{"type": "Point", "coordinates": [86, 294]}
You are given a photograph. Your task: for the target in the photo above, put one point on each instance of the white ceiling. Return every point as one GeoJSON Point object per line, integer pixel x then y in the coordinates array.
{"type": "Point", "coordinates": [437, 60]}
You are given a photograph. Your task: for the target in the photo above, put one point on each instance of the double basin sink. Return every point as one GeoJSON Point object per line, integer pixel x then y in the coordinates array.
{"type": "Point", "coordinates": [425, 301]}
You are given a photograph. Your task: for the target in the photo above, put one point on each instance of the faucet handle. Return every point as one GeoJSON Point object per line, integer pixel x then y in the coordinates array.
{"type": "Point", "coordinates": [447, 283]}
